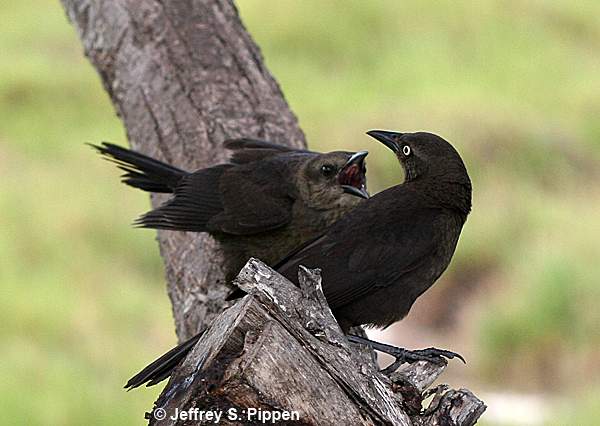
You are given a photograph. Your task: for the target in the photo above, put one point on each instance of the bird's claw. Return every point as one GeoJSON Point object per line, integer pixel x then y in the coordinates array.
{"type": "Point", "coordinates": [405, 356]}
{"type": "Point", "coordinates": [430, 354]}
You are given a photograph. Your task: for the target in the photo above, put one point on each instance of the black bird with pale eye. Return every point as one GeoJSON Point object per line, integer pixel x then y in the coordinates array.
{"type": "Point", "coordinates": [380, 257]}
{"type": "Point", "coordinates": [377, 260]}
{"type": "Point", "coordinates": [265, 202]}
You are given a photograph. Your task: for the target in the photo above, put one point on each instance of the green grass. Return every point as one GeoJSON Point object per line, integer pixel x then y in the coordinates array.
{"type": "Point", "coordinates": [514, 85]}
{"type": "Point", "coordinates": [582, 410]}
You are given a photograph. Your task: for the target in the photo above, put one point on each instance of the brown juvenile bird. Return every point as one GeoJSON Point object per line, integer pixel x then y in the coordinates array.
{"type": "Point", "coordinates": [380, 257]}
{"type": "Point", "coordinates": [266, 202]}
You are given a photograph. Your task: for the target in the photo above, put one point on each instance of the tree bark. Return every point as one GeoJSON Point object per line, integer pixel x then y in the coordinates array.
{"type": "Point", "coordinates": [184, 75]}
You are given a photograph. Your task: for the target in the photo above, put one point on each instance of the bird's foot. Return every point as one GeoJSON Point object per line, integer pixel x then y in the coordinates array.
{"type": "Point", "coordinates": [403, 356]}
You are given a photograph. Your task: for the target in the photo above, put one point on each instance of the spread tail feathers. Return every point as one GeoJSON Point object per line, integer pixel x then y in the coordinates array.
{"type": "Point", "coordinates": [162, 368]}
{"type": "Point", "coordinates": [141, 171]}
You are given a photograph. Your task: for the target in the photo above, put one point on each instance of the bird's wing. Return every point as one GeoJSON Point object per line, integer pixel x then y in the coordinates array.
{"type": "Point", "coordinates": [255, 199]}
{"type": "Point", "coordinates": [247, 150]}
{"type": "Point", "coordinates": [242, 199]}
{"type": "Point", "coordinates": [196, 201]}
{"type": "Point", "coordinates": [380, 261]}
{"type": "Point", "coordinates": [366, 250]}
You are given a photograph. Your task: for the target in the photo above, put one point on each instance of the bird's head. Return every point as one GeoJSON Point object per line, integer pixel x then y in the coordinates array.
{"type": "Point", "coordinates": [428, 157]}
{"type": "Point", "coordinates": [333, 179]}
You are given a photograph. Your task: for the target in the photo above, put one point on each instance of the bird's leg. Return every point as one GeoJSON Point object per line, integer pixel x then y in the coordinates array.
{"type": "Point", "coordinates": [404, 355]}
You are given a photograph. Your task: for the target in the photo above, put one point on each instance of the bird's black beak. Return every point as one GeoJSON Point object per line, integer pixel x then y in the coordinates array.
{"type": "Point", "coordinates": [358, 192]}
{"type": "Point", "coordinates": [357, 158]}
{"type": "Point", "coordinates": [389, 139]}
{"type": "Point", "coordinates": [352, 176]}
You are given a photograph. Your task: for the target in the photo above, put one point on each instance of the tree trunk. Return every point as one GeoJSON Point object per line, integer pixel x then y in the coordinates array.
{"type": "Point", "coordinates": [184, 75]}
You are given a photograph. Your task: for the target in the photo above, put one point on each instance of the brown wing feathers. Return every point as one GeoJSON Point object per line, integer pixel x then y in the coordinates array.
{"type": "Point", "coordinates": [246, 150]}
{"type": "Point", "coordinates": [203, 196]}
{"type": "Point", "coordinates": [196, 201]}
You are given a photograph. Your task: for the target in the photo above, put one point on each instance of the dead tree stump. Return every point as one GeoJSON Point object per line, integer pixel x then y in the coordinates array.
{"type": "Point", "coordinates": [280, 350]}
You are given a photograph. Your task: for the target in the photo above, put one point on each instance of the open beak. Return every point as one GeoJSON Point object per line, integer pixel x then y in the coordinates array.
{"type": "Point", "coordinates": [352, 177]}
{"type": "Point", "coordinates": [389, 139]}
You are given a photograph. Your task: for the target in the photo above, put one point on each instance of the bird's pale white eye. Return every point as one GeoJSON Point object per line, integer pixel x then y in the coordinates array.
{"type": "Point", "coordinates": [406, 150]}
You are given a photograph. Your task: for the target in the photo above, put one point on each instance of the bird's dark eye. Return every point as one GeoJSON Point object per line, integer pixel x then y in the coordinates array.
{"type": "Point", "coordinates": [328, 170]}
{"type": "Point", "coordinates": [406, 150]}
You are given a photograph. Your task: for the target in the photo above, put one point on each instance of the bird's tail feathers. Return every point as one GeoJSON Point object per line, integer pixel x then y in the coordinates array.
{"type": "Point", "coordinates": [141, 171]}
{"type": "Point", "coordinates": [162, 368]}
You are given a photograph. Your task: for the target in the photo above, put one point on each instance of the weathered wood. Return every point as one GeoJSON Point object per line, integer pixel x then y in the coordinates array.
{"type": "Point", "coordinates": [280, 349]}
{"type": "Point", "coordinates": [184, 75]}
{"type": "Point", "coordinates": [455, 407]}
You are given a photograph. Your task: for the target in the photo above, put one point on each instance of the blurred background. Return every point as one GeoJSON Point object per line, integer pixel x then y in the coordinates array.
{"type": "Point", "coordinates": [514, 84]}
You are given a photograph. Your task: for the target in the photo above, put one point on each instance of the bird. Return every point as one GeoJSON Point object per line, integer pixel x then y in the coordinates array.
{"type": "Point", "coordinates": [267, 200]}
{"type": "Point", "coordinates": [376, 260]}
